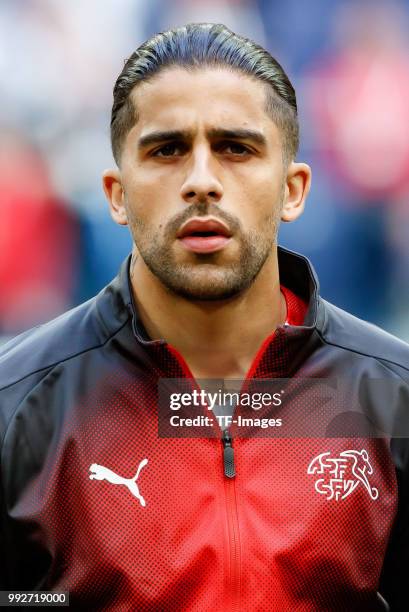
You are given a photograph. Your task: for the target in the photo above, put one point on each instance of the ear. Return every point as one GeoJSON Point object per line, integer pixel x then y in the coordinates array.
{"type": "Point", "coordinates": [114, 192]}
{"type": "Point", "coordinates": [297, 186]}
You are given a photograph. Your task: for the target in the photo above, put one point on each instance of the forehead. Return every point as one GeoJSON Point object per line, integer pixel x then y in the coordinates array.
{"type": "Point", "coordinates": [177, 98]}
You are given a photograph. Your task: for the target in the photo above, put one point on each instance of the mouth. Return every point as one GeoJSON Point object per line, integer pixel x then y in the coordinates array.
{"type": "Point", "coordinates": [204, 235]}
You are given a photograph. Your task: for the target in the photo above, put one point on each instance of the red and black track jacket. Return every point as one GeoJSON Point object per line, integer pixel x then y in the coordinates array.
{"type": "Point", "coordinates": [308, 522]}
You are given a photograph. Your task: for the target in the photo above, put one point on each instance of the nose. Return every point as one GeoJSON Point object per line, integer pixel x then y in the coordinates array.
{"type": "Point", "coordinates": [201, 183]}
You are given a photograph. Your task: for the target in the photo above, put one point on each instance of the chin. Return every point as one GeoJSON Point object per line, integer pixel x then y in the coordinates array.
{"type": "Point", "coordinates": [206, 282]}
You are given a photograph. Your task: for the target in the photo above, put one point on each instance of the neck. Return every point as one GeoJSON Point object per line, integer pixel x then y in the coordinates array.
{"type": "Point", "coordinates": [217, 339]}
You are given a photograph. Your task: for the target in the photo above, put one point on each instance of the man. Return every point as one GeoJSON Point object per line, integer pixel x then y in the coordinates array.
{"type": "Point", "coordinates": [94, 501]}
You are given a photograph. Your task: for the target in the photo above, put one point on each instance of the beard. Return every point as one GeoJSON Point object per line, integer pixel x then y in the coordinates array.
{"type": "Point", "coordinates": [206, 277]}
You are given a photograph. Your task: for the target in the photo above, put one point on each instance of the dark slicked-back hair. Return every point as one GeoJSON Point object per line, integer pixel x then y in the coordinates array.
{"type": "Point", "coordinates": [198, 45]}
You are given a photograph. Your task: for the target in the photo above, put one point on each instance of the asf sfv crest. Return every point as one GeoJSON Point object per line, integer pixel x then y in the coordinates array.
{"type": "Point", "coordinates": [339, 476]}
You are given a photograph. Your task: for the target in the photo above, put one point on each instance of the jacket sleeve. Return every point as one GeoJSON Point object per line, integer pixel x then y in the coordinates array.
{"type": "Point", "coordinates": [394, 583]}
{"type": "Point", "coordinates": [3, 545]}
{"type": "Point", "coordinates": [3, 548]}
{"type": "Point", "coordinates": [9, 402]}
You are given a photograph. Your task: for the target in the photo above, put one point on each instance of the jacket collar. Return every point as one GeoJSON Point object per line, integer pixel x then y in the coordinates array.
{"type": "Point", "coordinates": [298, 274]}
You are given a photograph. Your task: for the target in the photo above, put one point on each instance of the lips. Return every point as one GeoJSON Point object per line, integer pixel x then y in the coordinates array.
{"type": "Point", "coordinates": [204, 235]}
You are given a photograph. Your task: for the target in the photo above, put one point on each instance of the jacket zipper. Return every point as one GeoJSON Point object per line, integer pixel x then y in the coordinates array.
{"type": "Point", "coordinates": [228, 455]}
{"type": "Point", "coordinates": [232, 519]}
{"type": "Point", "coordinates": [231, 502]}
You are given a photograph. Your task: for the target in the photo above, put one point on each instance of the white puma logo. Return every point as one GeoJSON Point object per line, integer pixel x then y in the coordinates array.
{"type": "Point", "coordinates": [99, 472]}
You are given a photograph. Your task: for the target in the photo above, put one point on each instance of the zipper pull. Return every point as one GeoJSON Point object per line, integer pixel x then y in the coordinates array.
{"type": "Point", "coordinates": [228, 455]}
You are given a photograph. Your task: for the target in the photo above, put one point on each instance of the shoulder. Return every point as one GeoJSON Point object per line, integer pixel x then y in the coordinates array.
{"type": "Point", "coordinates": [74, 333]}
{"type": "Point", "coordinates": [340, 328]}
{"type": "Point", "coordinates": [28, 360]}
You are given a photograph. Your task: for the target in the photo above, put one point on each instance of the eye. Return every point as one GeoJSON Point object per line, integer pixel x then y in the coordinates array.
{"type": "Point", "coordinates": [234, 148]}
{"type": "Point", "coordinates": [171, 149]}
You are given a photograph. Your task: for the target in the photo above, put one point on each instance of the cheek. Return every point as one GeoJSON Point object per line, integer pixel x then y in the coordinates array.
{"type": "Point", "coordinates": [259, 203]}
{"type": "Point", "coordinates": [153, 198]}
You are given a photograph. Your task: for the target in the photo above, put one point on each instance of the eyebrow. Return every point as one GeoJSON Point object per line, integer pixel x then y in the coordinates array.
{"type": "Point", "coordinates": [239, 134]}
{"type": "Point", "coordinates": [233, 134]}
{"type": "Point", "coordinates": [157, 137]}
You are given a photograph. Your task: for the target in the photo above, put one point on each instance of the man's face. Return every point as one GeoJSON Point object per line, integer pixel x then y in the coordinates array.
{"type": "Point", "coordinates": [203, 180]}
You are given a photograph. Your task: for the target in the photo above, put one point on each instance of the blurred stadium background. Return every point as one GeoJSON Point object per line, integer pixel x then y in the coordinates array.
{"type": "Point", "coordinates": [349, 63]}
